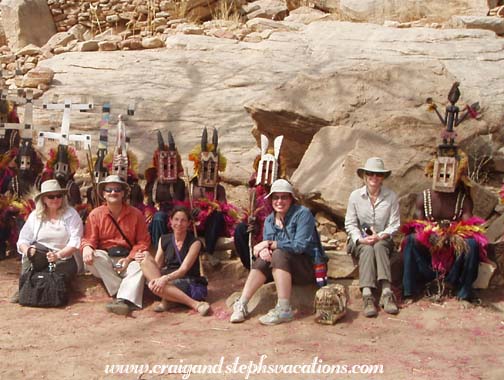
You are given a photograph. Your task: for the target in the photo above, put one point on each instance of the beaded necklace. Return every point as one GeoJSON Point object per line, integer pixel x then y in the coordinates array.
{"type": "Point", "coordinates": [427, 198]}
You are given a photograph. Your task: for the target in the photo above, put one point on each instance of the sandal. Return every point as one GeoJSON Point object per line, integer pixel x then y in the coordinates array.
{"type": "Point", "coordinates": [162, 306]}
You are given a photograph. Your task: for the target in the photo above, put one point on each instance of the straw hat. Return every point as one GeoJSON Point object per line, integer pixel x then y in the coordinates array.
{"type": "Point", "coordinates": [112, 179]}
{"type": "Point", "coordinates": [49, 186]}
{"type": "Point", "coordinates": [374, 165]}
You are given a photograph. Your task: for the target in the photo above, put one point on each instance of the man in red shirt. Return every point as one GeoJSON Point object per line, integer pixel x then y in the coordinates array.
{"type": "Point", "coordinates": [115, 241]}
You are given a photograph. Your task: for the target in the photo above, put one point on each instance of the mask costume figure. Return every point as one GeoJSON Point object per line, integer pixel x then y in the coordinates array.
{"type": "Point", "coordinates": [445, 243]}
{"type": "Point", "coordinates": [214, 216]}
{"type": "Point", "coordinates": [267, 167]}
{"type": "Point", "coordinates": [164, 186]}
{"type": "Point", "coordinates": [123, 163]}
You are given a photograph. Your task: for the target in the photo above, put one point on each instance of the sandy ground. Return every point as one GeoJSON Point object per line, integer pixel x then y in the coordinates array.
{"type": "Point", "coordinates": [425, 341]}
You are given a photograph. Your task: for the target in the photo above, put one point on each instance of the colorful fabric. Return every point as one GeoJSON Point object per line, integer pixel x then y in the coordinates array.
{"type": "Point", "coordinates": [446, 243]}
{"type": "Point", "coordinates": [73, 162]}
{"type": "Point", "coordinates": [262, 209]}
{"type": "Point", "coordinates": [194, 156]}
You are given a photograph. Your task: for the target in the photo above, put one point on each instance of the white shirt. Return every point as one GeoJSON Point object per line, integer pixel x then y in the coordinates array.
{"type": "Point", "coordinates": [383, 216]}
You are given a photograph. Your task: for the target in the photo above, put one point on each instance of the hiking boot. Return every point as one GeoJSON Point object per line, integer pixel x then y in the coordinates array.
{"type": "Point", "coordinates": [15, 297]}
{"type": "Point", "coordinates": [203, 308]}
{"type": "Point", "coordinates": [388, 303]}
{"type": "Point", "coordinates": [369, 307]}
{"type": "Point", "coordinates": [240, 312]}
{"type": "Point", "coordinates": [276, 316]}
{"type": "Point", "coordinates": [119, 307]}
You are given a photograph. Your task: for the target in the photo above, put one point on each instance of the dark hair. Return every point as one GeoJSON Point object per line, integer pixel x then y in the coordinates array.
{"type": "Point", "coordinates": [183, 209]}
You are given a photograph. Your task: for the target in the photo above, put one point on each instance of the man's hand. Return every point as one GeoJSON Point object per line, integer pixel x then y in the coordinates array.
{"type": "Point", "coordinates": [124, 262]}
{"type": "Point", "coordinates": [88, 255]}
{"type": "Point", "coordinates": [140, 256]}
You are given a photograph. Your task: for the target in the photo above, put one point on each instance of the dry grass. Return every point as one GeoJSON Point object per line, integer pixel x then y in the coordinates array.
{"type": "Point", "coordinates": [226, 10]}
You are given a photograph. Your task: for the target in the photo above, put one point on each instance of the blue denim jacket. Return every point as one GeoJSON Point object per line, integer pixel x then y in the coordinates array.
{"type": "Point", "coordinates": [300, 235]}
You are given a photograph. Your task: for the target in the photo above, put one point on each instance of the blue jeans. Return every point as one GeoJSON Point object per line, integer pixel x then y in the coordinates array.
{"type": "Point", "coordinates": [158, 227]}
{"type": "Point", "coordinates": [417, 268]}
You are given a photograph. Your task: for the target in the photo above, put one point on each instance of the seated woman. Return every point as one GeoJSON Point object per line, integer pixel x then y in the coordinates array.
{"type": "Point", "coordinates": [372, 218]}
{"type": "Point", "coordinates": [285, 253]}
{"type": "Point", "coordinates": [174, 274]}
{"type": "Point", "coordinates": [54, 225]}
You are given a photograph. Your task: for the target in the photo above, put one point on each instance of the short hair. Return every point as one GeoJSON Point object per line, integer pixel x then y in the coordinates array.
{"type": "Point", "coordinates": [181, 208]}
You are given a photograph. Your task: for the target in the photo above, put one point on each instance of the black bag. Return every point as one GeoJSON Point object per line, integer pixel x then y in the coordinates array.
{"type": "Point", "coordinates": [38, 259]}
{"type": "Point", "coordinates": [42, 289]}
{"type": "Point", "coordinates": [118, 251]}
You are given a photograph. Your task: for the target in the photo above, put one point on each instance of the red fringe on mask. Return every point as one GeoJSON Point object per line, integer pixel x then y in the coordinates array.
{"type": "Point", "coordinates": [445, 244]}
{"type": "Point", "coordinates": [230, 212]}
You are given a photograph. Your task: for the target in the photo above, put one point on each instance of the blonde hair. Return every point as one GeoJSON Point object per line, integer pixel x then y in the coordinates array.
{"type": "Point", "coordinates": [41, 208]}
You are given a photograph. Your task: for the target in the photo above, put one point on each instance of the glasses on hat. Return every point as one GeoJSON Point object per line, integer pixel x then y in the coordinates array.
{"type": "Point", "coordinates": [113, 189]}
{"type": "Point", "coordinates": [54, 196]}
{"type": "Point", "coordinates": [370, 174]}
{"type": "Point", "coordinates": [280, 197]}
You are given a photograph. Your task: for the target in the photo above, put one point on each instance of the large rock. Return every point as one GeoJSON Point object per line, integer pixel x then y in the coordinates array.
{"type": "Point", "coordinates": [408, 10]}
{"type": "Point", "coordinates": [27, 22]}
{"type": "Point", "coordinates": [495, 24]}
{"type": "Point", "coordinates": [37, 76]}
{"type": "Point", "coordinates": [343, 75]}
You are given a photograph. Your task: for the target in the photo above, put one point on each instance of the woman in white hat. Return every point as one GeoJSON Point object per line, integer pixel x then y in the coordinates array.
{"type": "Point", "coordinates": [284, 255]}
{"type": "Point", "coordinates": [372, 218]}
{"type": "Point", "coordinates": [54, 225]}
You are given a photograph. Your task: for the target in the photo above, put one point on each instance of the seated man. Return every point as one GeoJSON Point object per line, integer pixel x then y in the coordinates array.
{"type": "Point", "coordinates": [290, 241]}
{"type": "Point", "coordinates": [445, 242]}
{"type": "Point", "coordinates": [115, 241]}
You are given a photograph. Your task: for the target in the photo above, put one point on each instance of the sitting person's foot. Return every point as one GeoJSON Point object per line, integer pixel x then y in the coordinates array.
{"type": "Point", "coordinates": [240, 312]}
{"type": "Point", "coordinates": [203, 308]}
{"type": "Point", "coordinates": [14, 298]}
{"type": "Point", "coordinates": [119, 307]}
{"type": "Point", "coordinates": [369, 306]}
{"type": "Point", "coordinates": [162, 306]}
{"type": "Point", "coordinates": [388, 303]}
{"type": "Point", "coordinates": [276, 316]}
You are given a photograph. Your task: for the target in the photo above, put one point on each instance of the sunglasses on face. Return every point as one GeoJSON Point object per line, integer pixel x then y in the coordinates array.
{"type": "Point", "coordinates": [280, 197]}
{"type": "Point", "coordinates": [370, 174]}
{"type": "Point", "coordinates": [54, 196]}
{"type": "Point", "coordinates": [113, 190]}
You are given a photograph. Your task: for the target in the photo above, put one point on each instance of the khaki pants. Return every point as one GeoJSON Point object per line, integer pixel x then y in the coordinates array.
{"type": "Point", "coordinates": [374, 262]}
{"type": "Point", "coordinates": [128, 285]}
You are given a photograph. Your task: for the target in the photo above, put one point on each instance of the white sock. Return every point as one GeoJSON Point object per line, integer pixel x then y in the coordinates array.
{"type": "Point", "coordinates": [385, 287]}
{"type": "Point", "coordinates": [243, 300]}
{"type": "Point", "coordinates": [283, 303]}
{"type": "Point", "coordinates": [366, 291]}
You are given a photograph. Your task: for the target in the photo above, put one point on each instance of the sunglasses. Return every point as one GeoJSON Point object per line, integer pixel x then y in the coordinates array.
{"type": "Point", "coordinates": [280, 197]}
{"type": "Point", "coordinates": [370, 174]}
{"type": "Point", "coordinates": [113, 190]}
{"type": "Point", "coordinates": [54, 196]}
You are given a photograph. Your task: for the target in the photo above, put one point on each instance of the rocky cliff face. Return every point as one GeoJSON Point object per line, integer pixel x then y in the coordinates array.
{"type": "Point", "coordinates": [339, 91]}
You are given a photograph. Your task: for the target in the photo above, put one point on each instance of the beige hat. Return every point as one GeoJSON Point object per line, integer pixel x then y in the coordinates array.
{"type": "Point", "coordinates": [281, 186]}
{"type": "Point", "coordinates": [112, 179]}
{"type": "Point", "coordinates": [374, 165]}
{"type": "Point", "coordinates": [49, 186]}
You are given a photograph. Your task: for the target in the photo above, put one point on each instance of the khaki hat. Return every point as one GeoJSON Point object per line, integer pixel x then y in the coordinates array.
{"type": "Point", "coordinates": [281, 186]}
{"type": "Point", "coordinates": [112, 179]}
{"type": "Point", "coordinates": [374, 165]}
{"type": "Point", "coordinates": [49, 186]}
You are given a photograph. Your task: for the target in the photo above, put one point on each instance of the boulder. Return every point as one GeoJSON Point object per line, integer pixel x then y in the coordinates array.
{"type": "Point", "coordinates": [90, 45]}
{"type": "Point", "coordinates": [495, 229]}
{"type": "Point", "coordinates": [484, 200]}
{"type": "Point", "coordinates": [30, 50]}
{"type": "Point", "coordinates": [58, 40]}
{"type": "Point", "coordinates": [152, 42]}
{"type": "Point", "coordinates": [107, 45]}
{"type": "Point", "coordinates": [495, 24]}
{"type": "Point", "coordinates": [268, 9]}
{"type": "Point", "coordinates": [341, 265]}
{"type": "Point", "coordinates": [38, 75]}
{"type": "Point", "coordinates": [27, 22]}
{"type": "Point", "coordinates": [306, 15]}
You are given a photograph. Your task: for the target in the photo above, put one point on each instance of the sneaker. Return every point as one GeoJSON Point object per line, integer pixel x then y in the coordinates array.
{"type": "Point", "coordinates": [119, 307]}
{"type": "Point", "coordinates": [369, 307]}
{"type": "Point", "coordinates": [276, 316]}
{"type": "Point", "coordinates": [203, 308]}
{"type": "Point", "coordinates": [14, 298]}
{"type": "Point", "coordinates": [388, 303]}
{"type": "Point", "coordinates": [240, 312]}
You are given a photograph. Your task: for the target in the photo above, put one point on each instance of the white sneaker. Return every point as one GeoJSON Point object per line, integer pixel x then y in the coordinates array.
{"type": "Point", "coordinates": [240, 312]}
{"type": "Point", "coordinates": [276, 316]}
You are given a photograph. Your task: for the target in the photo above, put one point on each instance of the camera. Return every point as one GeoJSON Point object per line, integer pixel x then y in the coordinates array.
{"type": "Point", "coordinates": [366, 229]}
